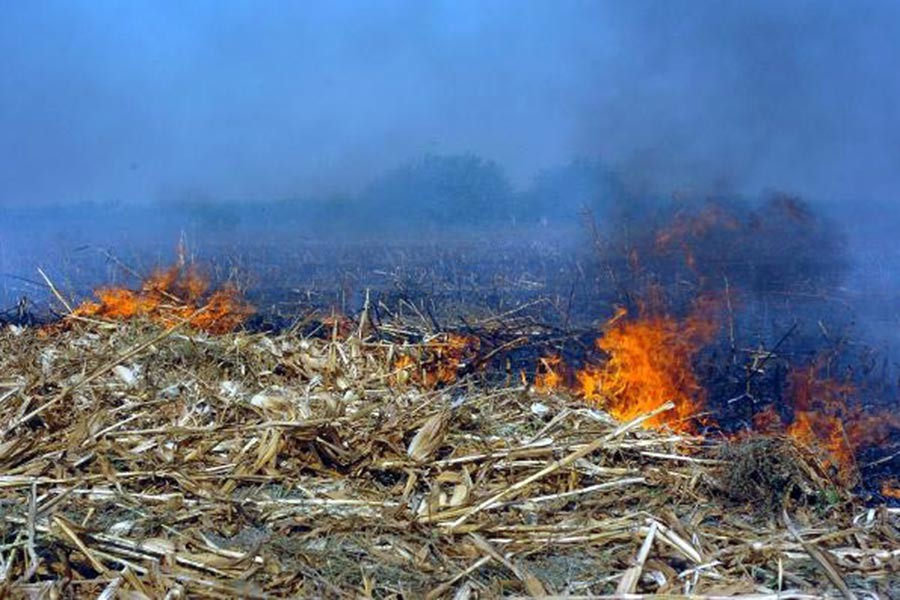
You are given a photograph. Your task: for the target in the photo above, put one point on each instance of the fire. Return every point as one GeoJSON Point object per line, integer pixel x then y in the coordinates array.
{"type": "Point", "coordinates": [549, 375]}
{"type": "Point", "coordinates": [404, 370]}
{"type": "Point", "coordinates": [687, 226]}
{"type": "Point", "coordinates": [169, 296]}
{"type": "Point", "coordinates": [650, 363]}
{"type": "Point", "coordinates": [686, 230]}
{"type": "Point", "coordinates": [439, 360]}
{"type": "Point", "coordinates": [825, 433]}
{"type": "Point", "coordinates": [590, 383]}
{"type": "Point", "coordinates": [768, 421]}
{"type": "Point", "coordinates": [828, 421]}
{"type": "Point", "coordinates": [820, 405]}
{"type": "Point", "coordinates": [891, 489]}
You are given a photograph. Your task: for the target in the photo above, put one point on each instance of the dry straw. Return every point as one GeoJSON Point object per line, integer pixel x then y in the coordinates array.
{"type": "Point", "coordinates": [137, 462]}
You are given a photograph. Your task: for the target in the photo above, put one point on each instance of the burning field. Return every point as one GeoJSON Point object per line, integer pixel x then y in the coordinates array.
{"type": "Point", "coordinates": [693, 443]}
{"type": "Point", "coordinates": [409, 299]}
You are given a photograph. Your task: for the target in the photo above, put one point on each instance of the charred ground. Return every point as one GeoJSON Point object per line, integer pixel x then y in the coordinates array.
{"type": "Point", "coordinates": [764, 282]}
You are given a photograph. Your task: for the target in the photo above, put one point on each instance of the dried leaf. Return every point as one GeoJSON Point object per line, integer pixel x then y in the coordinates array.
{"type": "Point", "coordinates": [429, 437]}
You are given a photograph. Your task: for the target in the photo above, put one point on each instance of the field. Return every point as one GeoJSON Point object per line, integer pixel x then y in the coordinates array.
{"type": "Point", "coordinates": [143, 462]}
{"type": "Point", "coordinates": [459, 416]}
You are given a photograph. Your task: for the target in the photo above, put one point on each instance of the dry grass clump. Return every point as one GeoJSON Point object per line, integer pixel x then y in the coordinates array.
{"type": "Point", "coordinates": [140, 462]}
{"type": "Point", "coordinates": [769, 471]}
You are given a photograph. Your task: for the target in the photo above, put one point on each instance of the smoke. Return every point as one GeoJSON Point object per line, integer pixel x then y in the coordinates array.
{"type": "Point", "coordinates": [237, 119]}
{"type": "Point", "coordinates": [144, 101]}
{"type": "Point", "coordinates": [740, 96]}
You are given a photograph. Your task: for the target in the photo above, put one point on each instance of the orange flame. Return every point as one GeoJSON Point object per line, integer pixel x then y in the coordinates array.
{"type": "Point", "coordinates": [168, 297]}
{"type": "Point", "coordinates": [686, 230]}
{"type": "Point", "coordinates": [590, 383]}
{"type": "Point", "coordinates": [768, 421]}
{"type": "Point", "coordinates": [891, 489]}
{"type": "Point", "coordinates": [650, 363]}
{"type": "Point", "coordinates": [549, 375]}
{"type": "Point", "coordinates": [438, 362]}
{"type": "Point", "coordinates": [825, 433]}
{"type": "Point", "coordinates": [827, 421]}
{"type": "Point", "coordinates": [404, 370]}
{"type": "Point", "coordinates": [819, 405]}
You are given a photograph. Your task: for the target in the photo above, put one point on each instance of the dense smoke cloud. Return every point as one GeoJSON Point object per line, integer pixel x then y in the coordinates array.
{"type": "Point", "coordinates": [741, 96]}
{"type": "Point", "coordinates": [146, 101]}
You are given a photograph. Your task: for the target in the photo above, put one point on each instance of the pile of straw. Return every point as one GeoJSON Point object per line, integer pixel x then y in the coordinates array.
{"type": "Point", "coordinates": [139, 462]}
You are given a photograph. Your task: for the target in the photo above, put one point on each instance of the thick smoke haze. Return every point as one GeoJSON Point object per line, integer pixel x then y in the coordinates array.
{"type": "Point", "coordinates": [139, 102]}
{"type": "Point", "coordinates": [626, 202]}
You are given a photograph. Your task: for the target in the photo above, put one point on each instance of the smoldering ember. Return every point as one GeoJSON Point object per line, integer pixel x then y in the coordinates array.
{"type": "Point", "coordinates": [450, 300]}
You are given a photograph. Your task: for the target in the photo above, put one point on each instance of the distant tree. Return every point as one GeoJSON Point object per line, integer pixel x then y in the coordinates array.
{"type": "Point", "coordinates": [443, 190]}
{"type": "Point", "coordinates": [562, 193]}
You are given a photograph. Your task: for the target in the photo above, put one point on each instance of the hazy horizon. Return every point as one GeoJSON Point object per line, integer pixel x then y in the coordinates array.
{"type": "Point", "coordinates": [148, 101]}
